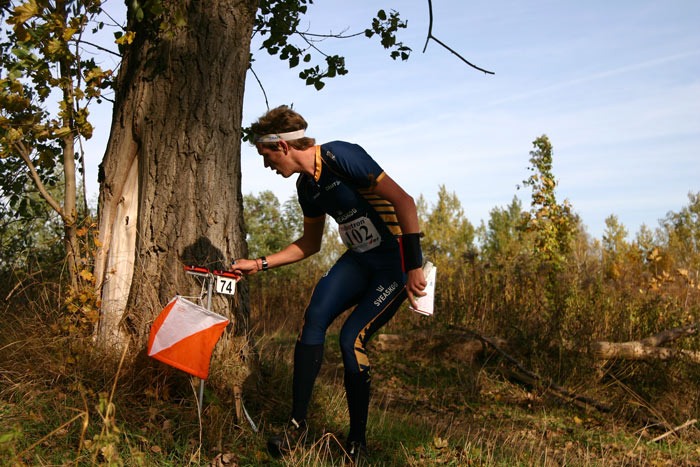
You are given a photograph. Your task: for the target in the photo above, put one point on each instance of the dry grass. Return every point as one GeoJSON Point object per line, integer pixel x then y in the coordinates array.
{"type": "Point", "coordinates": [61, 402]}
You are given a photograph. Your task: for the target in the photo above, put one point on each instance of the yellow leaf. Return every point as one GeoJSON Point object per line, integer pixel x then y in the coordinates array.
{"type": "Point", "coordinates": [109, 452]}
{"type": "Point", "coordinates": [98, 243]}
{"type": "Point", "coordinates": [577, 420]}
{"type": "Point", "coordinates": [68, 33]}
{"type": "Point", "coordinates": [54, 46]}
{"type": "Point", "coordinates": [440, 443]}
{"type": "Point", "coordinates": [127, 38]}
{"type": "Point", "coordinates": [82, 231]}
{"type": "Point", "coordinates": [62, 132]}
{"type": "Point", "coordinates": [87, 275]}
{"type": "Point", "coordinates": [25, 11]}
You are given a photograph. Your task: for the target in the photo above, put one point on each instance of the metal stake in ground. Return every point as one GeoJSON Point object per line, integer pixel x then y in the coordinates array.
{"type": "Point", "coordinates": [209, 280]}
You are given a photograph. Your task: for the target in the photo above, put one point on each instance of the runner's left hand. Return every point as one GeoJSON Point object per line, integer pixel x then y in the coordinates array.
{"type": "Point", "coordinates": [245, 267]}
{"type": "Point", "coordinates": [415, 283]}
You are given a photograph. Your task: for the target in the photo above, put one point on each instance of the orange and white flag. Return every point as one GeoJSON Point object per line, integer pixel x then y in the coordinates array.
{"type": "Point", "coordinates": [184, 335]}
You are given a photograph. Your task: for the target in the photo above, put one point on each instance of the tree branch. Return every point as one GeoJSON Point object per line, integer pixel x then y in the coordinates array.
{"type": "Point", "coordinates": [24, 154]}
{"type": "Point", "coordinates": [99, 48]}
{"type": "Point", "coordinates": [312, 45]}
{"type": "Point", "coordinates": [267, 104]}
{"type": "Point", "coordinates": [670, 334]}
{"type": "Point", "coordinates": [430, 36]}
{"type": "Point", "coordinates": [331, 35]}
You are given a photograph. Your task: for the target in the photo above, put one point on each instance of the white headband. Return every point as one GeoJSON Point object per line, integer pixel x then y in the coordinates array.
{"type": "Point", "coordinates": [275, 137]}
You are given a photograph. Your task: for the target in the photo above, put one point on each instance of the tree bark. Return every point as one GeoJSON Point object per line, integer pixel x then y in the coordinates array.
{"type": "Point", "coordinates": [170, 190]}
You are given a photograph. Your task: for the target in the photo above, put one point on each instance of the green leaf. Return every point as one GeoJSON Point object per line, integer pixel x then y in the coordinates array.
{"type": "Point", "coordinates": [381, 14]}
{"type": "Point", "coordinates": [15, 74]}
{"type": "Point", "coordinates": [156, 8]}
{"type": "Point", "coordinates": [180, 20]}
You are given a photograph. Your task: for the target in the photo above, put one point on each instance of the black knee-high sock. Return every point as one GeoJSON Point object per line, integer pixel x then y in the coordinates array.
{"type": "Point", "coordinates": [357, 388]}
{"type": "Point", "coordinates": [307, 363]}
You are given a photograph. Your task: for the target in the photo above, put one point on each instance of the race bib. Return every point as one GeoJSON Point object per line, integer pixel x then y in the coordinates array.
{"type": "Point", "coordinates": [359, 235]}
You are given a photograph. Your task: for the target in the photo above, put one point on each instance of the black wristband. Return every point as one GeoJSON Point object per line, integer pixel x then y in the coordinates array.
{"type": "Point", "coordinates": [411, 255]}
{"type": "Point", "coordinates": [263, 261]}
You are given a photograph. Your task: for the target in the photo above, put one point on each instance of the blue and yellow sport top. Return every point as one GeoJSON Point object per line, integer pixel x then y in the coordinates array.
{"type": "Point", "coordinates": [343, 187]}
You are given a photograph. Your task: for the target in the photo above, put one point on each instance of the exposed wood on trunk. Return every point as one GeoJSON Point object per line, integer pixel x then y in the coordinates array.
{"type": "Point", "coordinates": [119, 268]}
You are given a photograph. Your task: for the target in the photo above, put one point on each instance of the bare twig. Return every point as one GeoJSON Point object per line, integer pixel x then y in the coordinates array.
{"type": "Point", "coordinates": [430, 36]}
{"type": "Point", "coordinates": [656, 419]}
{"type": "Point", "coordinates": [331, 35]}
{"type": "Point", "coordinates": [262, 88]}
{"type": "Point", "coordinates": [81, 414]}
{"type": "Point", "coordinates": [675, 430]}
{"type": "Point", "coordinates": [100, 48]}
{"type": "Point", "coordinates": [313, 46]}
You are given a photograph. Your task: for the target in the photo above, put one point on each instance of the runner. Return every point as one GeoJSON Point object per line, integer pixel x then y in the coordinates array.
{"type": "Point", "coordinates": [378, 223]}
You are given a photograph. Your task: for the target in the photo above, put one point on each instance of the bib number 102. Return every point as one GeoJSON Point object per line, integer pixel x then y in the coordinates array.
{"type": "Point", "coordinates": [359, 235]}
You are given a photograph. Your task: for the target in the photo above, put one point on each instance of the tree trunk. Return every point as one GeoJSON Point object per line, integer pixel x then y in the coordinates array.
{"type": "Point", "coordinates": [170, 190]}
{"type": "Point", "coordinates": [70, 214]}
{"type": "Point", "coordinates": [70, 227]}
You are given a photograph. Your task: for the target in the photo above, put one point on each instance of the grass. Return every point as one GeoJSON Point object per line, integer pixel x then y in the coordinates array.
{"type": "Point", "coordinates": [61, 404]}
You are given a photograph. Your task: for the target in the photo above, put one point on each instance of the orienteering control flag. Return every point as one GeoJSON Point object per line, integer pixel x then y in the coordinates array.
{"type": "Point", "coordinates": [184, 335]}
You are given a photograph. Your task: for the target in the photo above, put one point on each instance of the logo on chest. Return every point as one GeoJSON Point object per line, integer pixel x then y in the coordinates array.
{"type": "Point", "coordinates": [332, 185]}
{"type": "Point", "coordinates": [347, 215]}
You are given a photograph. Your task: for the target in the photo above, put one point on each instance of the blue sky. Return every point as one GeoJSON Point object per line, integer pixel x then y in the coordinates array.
{"type": "Point", "coordinates": [615, 86]}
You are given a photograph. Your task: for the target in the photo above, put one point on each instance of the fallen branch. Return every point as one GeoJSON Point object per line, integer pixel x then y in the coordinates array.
{"type": "Point", "coordinates": [670, 335]}
{"type": "Point", "coordinates": [648, 348]}
{"type": "Point", "coordinates": [547, 384]}
{"type": "Point", "coordinates": [636, 350]}
{"type": "Point", "coordinates": [674, 430]}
